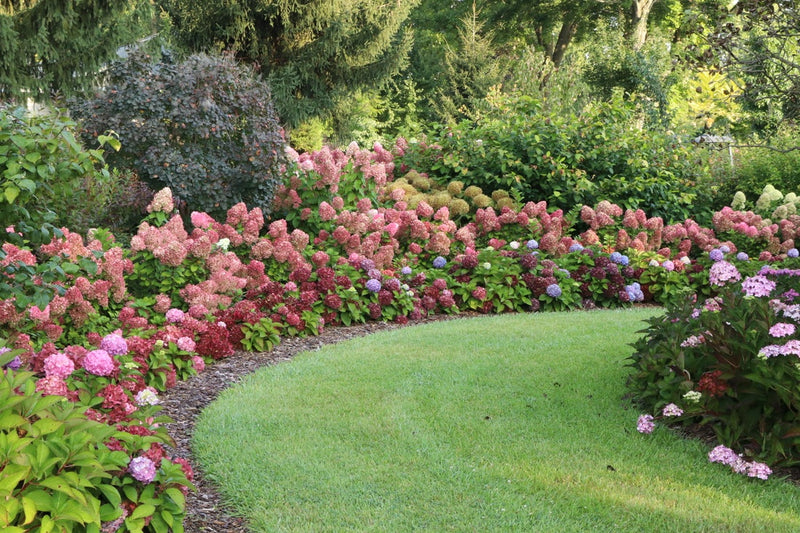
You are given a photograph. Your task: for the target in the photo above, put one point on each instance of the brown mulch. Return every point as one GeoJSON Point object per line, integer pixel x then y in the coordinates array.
{"type": "Point", "coordinates": [205, 510]}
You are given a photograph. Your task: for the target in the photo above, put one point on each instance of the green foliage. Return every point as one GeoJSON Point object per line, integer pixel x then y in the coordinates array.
{"type": "Point", "coordinates": [314, 55]}
{"type": "Point", "coordinates": [59, 46]}
{"type": "Point", "coordinates": [569, 161]}
{"type": "Point", "coordinates": [45, 171]}
{"type": "Point", "coordinates": [260, 336]}
{"type": "Point", "coordinates": [56, 470]}
{"type": "Point", "coordinates": [204, 127]}
{"type": "Point", "coordinates": [756, 167]}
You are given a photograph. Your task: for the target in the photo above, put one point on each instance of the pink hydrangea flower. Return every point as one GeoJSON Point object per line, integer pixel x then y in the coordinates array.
{"type": "Point", "coordinates": [174, 316]}
{"type": "Point", "coordinates": [723, 454]}
{"type": "Point", "coordinates": [759, 470]}
{"type": "Point", "coordinates": [142, 469]}
{"type": "Point", "coordinates": [722, 272]}
{"type": "Point", "coordinates": [758, 286]}
{"type": "Point", "coordinates": [52, 386]}
{"type": "Point", "coordinates": [781, 329]}
{"type": "Point", "coordinates": [186, 344]}
{"type": "Point", "coordinates": [114, 344]}
{"type": "Point", "coordinates": [58, 365]}
{"type": "Point", "coordinates": [645, 424]}
{"type": "Point", "coordinates": [672, 410]}
{"type": "Point", "coordinates": [99, 363]}
{"type": "Point", "coordinates": [198, 363]}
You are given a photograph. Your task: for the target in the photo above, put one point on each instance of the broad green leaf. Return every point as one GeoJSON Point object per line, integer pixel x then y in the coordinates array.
{"type": "Point", "coordinates": [143, 511]}
{"type": "Point", "coordinates": [29, 506]}
{"type": "Point", "coordinates": [12, 475]}
{"type": "Point", "coordinates": [11, 193]}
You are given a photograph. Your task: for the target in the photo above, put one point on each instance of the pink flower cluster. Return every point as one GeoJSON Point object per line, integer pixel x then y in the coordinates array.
{"type": "Point", "coordinates": [723, 454]}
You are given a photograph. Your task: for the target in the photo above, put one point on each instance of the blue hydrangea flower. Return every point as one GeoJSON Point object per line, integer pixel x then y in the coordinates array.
{"type": "Point", "coordinates": [439, 262]}
{"type": "Point", "coordinates": [725, 249]}
{"type": "Point", "coordinates": [577, 247]}
{"type": "Point", "coordinates": [373, 285]}
{"type": "Point", "coordinates": [553, 290]}
{"type": "Point", "coordinates": [532, 244]}
{"type": "Point", "coordinates": [716, 255]}
{"type": "Point", "coordinates": [741, 256]}
{"type": "Point", "coordinates": [634, 291]}
{"type": "Point", "coordinates": [793, 252]}
{"type": "Point", "coordinates": [565, 272]}
{"type": "Point", "coordinates": [619, 259]}
{"type": "Point", "coordinates": [406, 270]}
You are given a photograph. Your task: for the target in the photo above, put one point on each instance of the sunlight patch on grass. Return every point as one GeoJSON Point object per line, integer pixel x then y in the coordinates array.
{"type": "Point", "coordinates": [498, 423]}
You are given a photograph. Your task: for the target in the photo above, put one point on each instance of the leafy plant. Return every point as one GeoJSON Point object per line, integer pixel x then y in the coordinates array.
{"type": "Point", "coordinates": [44, 173]}
{"type": "Point", "coordinates": [260, 336]}
{"type": "Point", "coordinates": [204, 127]}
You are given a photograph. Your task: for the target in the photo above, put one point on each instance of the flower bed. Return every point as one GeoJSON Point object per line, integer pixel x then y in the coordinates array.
{"type": "Point", "coordinates": [109, 327]}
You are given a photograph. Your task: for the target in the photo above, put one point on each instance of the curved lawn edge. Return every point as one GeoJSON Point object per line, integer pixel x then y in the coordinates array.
{"type": "Point", "coordinates": [507, 423]}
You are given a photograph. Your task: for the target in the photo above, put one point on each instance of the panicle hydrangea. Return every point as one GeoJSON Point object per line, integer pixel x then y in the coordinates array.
{"type": "Point", "coordinates": [58, 365]}
{"type": "Point", "coordinates": [114, 344]}
{"type": "Point", "coordinates": [645, 424]}
{"type": "Point", "coordinates": [672, 410]}
{"type": "Point", "coordinates": [99, 363]}
{"type": "Point", "coordinates": [142, 469]}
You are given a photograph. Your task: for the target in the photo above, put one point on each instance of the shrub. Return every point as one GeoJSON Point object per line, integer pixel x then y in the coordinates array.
{"type": "Point", "coordinates": [204, 127]}
{"type": "Point", "coordinates": [47, 178]}
{"type": "Point", "coordinates": [566, 160]}
{"type": "Point", "coordinates": [729, 362]}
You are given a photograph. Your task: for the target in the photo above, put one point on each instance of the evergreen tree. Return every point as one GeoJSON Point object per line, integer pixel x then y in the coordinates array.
{"type": "Point", "coordinates": [60, 45]}
{"type": "Point", "coordinates": [315, 55]}
{"type": "Point", "coordinates": [469, 71]}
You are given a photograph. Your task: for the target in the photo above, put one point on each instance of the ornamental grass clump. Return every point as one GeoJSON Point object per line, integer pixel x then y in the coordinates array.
{"type": "Point", "coordinates": [729, 363]}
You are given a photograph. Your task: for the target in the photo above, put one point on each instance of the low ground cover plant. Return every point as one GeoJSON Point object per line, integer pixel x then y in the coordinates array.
{"type": "Point", "coordinates": [191, 288]}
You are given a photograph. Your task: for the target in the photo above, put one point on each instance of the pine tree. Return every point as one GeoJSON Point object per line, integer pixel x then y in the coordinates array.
{"type": "Point", "coordinates": [60, 45]}
{"type": "Point", "coordinates": [315, 55]}
{"type": "Point", "coordinates": [469, 70]}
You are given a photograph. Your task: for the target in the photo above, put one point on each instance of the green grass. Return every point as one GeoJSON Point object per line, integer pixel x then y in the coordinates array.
{"type": "Point", "coordinates": [499, 423]}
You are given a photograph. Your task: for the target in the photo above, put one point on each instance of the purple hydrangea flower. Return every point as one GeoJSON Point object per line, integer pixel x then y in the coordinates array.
{"type": "Point", "coordinates": [742, 256]}
{"type": "Point", "coordinates": [374, 273]}
{"type": "Point", "coordinates": [759, 470]}
{"type": "Point", "coordinates": [716, 255]}
{"type": "Point", "coordinates": [142, 469]}
{"type": "Point", "coordinates": [672, 410]}
{"type": "Point", "coordinates": [645, 424]}
{"type": "Point", "coordinates": [723, 454]}
{"type": "Point", "coordinates": [577, 247]}
{"type": "Point", "coordinates": [553, 290]}
{"type": "Point", "coordinates": [634, 291]}
{"type": "Point", "coordinates": [15, 363]}
{"type": "Point", "coordinates": [367, 264]}
{"type": "Point", "coordinates": [758, 286]}
{"type": "Point", "coordinates": [668, 265]}
{"type": "Point", "coordinates": [725, 249]}
{"type": "Point", "coordinates": [406, 271]}
{"type": "Point", "coordinates": [793, 252]}
{"type": "Point", "coordinates": [532, 244]}
{"type": "Point", "coordinates": [373, 285]}
{"type": "Point", "coordinates": [439, 262]}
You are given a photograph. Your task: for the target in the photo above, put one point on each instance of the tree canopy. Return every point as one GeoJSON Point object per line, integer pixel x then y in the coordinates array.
{"type": "Point", "coordinates": [61, 45]}
{"type": "Point", "coordinates": [315, 55]}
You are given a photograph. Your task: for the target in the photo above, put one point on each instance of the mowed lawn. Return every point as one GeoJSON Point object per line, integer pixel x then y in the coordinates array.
{"type": "Point", "coordinates": [497, 423]}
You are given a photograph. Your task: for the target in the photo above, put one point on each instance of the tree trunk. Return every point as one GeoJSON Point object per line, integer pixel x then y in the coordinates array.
{"type": "Point", "coordinates": [568, 29]}
{"type": "Point", "coordinates": [640, 11]}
